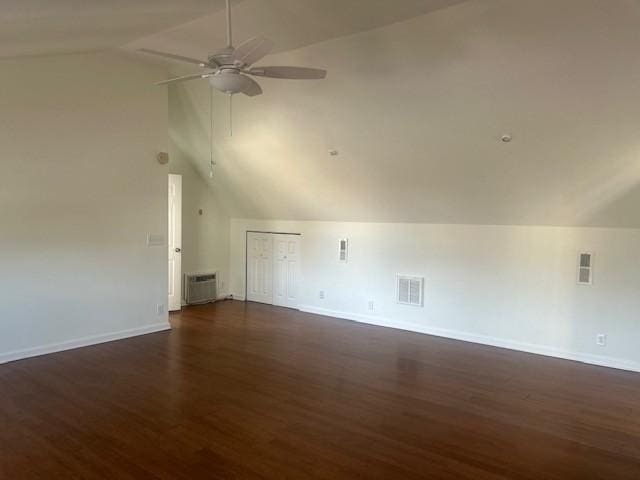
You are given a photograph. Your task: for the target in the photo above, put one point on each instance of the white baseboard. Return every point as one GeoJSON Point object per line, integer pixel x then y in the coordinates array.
{"type": "Point", "coordinates": [82, 342]}
{"type": "Point", "coordinates": [599, 360]}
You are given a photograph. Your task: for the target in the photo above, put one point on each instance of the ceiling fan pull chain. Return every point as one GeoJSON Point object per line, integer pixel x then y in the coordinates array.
{"type": "Point", "coordinates": [231, 115]}
{"type": "Point", "coordinates": [211, 162]}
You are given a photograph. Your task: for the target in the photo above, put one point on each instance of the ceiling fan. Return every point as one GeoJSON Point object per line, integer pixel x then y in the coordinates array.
{"type": "Point", "coordinates": [231, 67]}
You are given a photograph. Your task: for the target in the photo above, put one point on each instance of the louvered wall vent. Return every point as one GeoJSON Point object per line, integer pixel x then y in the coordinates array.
{"type": "Point", "coordinates": [409, 290]}
{"type": "Point", "coordinates": [585, 269]}
{"type": "Point", "coordinates": [343, 248]}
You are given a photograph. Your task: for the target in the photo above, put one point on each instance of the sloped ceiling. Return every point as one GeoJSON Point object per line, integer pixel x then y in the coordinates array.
{"type": "Point", "coordinates": [416, 110]}
{"type": "Point", "coordinates": [419, 93]}
{"type": "Point", "coordinates": [45, 27]}
{"type": "Point", "coordinates": [48, 27]}
{"type": "Point", "coordinates": [290, 24]}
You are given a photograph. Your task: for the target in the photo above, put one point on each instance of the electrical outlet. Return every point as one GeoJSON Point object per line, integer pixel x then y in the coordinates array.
{"type": "Point", "coordinates": [321, 295]}
{"type": "Point", "coordinates": [371, 305]}
{"type": "Point", "coordinates": [601, 340]}
{"type": "Point", "coordinates": [160, 308]}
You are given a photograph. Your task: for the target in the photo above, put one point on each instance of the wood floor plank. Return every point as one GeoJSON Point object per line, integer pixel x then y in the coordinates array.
{"type": "Point", "coordinates": [241, 390]}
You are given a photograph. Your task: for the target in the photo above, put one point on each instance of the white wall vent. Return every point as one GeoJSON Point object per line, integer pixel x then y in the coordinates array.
{"type": "Point", "coordinates": [585, 268]}
{"type": "Point", "coordinates": [200, 288]}
{"type": "Point", "coordinates": [343, 250]}
{"type": "Point", "coordinates": [409, 290]}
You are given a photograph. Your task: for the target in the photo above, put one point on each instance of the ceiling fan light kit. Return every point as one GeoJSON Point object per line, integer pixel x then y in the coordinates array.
{"type": "Point", "coordinates": [229, 81]}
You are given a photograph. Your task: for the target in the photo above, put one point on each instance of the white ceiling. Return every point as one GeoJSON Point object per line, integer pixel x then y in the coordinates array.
{"type": "Point", "coordinates": [416, 111]}
{"type": "Point", "coordinates": [289, 23]}
{"type": "Point", "coordinates": [45, 27]}
{"type": "Point", "coordinates": [41, 27]}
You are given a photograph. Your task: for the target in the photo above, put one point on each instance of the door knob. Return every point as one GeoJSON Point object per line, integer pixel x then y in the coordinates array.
{"type": "Point", "coordinates": [178, 250]}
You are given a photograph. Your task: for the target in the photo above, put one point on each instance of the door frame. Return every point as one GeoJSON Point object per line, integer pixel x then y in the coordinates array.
{"type": "Point", "coordinates": [246, 254]}
{"type": "Point", "coordinates": [177, 179]}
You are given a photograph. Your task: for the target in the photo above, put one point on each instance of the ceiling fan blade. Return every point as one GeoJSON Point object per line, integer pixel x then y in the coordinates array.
{"type": "Point", "coordinates": [185, 78]}
{"type": "Point", "coordinates": [252, 89]}
{"type": "Point", "coordinates": [293, 73]}
{"type": "Point", "coordinates": [171, 56]}
{"type": "Point", "coordinates": [251, 51]}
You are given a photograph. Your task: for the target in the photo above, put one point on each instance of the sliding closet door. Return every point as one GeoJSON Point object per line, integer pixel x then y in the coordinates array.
{"type": "Point", "coordinates": [286, 268]}
{"type": "Point", "coordinates": [260, 267]}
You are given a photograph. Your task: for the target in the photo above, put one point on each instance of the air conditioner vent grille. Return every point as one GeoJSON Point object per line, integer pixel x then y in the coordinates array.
{"type": "Point", "coordinates": [585, 269]}
{"type": "Point", "coordinates": [200, 288]}
{"type": "Point", "coordinates": [343, 249]}
{"type": "Point", "coordinates": [409, 290]}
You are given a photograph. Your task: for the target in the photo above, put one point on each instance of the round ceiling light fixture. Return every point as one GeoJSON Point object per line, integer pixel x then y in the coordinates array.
{"type": "Point", "coordinates": [230, 81]}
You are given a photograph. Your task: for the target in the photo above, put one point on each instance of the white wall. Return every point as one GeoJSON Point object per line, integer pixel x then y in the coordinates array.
{"type": "Point", "coordinates": [501, 285]}
{"type": "Point", "coordinates": [416, 111]}
{"type": "Point", "coordinates": [205, 238]}
{"type": "Point", "coordinates": [80, 189]}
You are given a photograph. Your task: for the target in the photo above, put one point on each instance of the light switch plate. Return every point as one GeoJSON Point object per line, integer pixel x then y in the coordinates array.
{"type": "Point", "coordinates": [155, 240]}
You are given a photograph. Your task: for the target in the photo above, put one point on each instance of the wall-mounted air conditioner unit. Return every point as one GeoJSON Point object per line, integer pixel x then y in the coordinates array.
{"type": "Point", "coordinates": [200, 288]}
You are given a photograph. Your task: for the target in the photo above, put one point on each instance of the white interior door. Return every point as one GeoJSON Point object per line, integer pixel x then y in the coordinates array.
{"type": "Point", "coordinates": [259, 267]}
{"type": "Point", "coordinates": [286, 268]}
{"type": "Point", "coordinates": [175, 242]}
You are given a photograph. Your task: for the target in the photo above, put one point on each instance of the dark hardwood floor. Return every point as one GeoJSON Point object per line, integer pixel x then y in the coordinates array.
{"type": "Point", "coordinates": [250, 391]}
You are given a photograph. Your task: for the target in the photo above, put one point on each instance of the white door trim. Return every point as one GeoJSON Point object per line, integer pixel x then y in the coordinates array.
{"type": "Point", "coordinates": [174, 242]}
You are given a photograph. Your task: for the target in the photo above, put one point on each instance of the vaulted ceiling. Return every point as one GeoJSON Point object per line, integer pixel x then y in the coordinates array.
{"type": "Point", "coordinates": [416, 111]}
{"type": "Point", "coordinates": [418, 95]}
{"type": "Point", "coordinates": [44, 27]}
{"type": "Point", "coordinates": [289, 23]}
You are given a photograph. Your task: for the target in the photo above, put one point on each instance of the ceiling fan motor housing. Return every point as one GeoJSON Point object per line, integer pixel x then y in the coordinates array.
{"type": "Point", "coordinates": [222, 57]}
